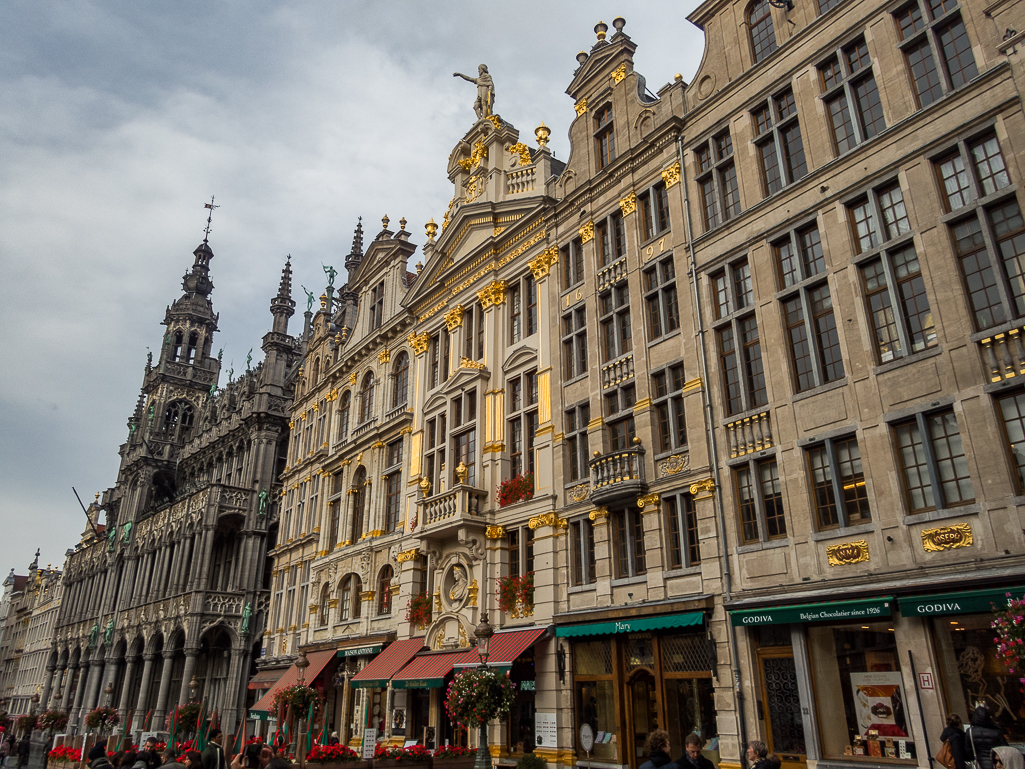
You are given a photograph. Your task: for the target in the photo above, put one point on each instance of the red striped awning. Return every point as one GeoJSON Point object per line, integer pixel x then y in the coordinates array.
{"type": "Point", "coordinates": [506, 646]}
{"type": "Point", "coordinates": [428, 671]}
{"type": "Point", "coordinates": [318, 661]}
{"type": "Point", "coordinates": [265, 679]}
{"type": "Point", "coordinates": [386, 664]}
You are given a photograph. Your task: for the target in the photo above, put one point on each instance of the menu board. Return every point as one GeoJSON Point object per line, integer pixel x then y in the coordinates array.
{"type": "Point", "coordinates": [546, 730]}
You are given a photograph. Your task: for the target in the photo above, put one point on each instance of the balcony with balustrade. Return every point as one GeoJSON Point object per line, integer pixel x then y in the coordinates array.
{"type": "Point", "coordinates": [455, 508]}
{"type": "Point", "coordinates": [1004, 354]}
{"type": "Point", "coordinates": [618, 476]}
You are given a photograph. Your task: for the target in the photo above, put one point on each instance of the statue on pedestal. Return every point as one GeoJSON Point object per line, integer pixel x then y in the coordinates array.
{"type": "Point", "coordinates": [485, 102]}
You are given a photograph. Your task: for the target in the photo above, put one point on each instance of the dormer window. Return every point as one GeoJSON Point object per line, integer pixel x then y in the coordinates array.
{"type": "Point", "coordinates": [604, 137]}
{"type": "Point", "coordinates": [759, 25]}
{"type": "Point", "coordinates": [376, 306]}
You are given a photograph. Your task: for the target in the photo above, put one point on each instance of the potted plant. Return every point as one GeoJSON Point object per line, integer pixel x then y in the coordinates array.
{"type": "Point", "coordinates": [526, 594]}
{"type": "Point", "coordinates": [477, 696]}
{"type": "Point", "coordinates": [418, 611]}
{"type": "Point", "coordinates": [52, 721]}
{"type": "Point", "coordinates": [102, 719]}
{"type": "Point", "coordinates": [392, 756]}
{"type": "Point", "coordinates": [1010, 640]}
{"type": "Point", "coordinates": [508, 594]}
{"type": "Point", "coordinates": [28, 723]}
{"type": "Point", "coordinates": [64, 754]}
{"type": "Point", "coordinates": [333, 756]}
{"type": "Point", "coordinates": [454, 757]}
{"type": "Point", "coordinates": [516, 489]}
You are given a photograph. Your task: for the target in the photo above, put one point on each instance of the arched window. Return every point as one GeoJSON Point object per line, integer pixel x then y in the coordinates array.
{"type": "Point", "coordinates": [178, 421]}
{"type": "Point", "coordinates": [190, 352]}
{"type": "Point", "coordinates": [759, 25]}
{"type": "Point", "coordinates": [349, 598]}
{"type": "Point", "coordinates": [176, 345]}
{"type": "Point", "coordinates": [400, 389]}
{"type": "Point", "coordinates": [343, 416]}
{"type": "Point", "coordinates": [384, 591]}
{"type": "Point", "coordinates": [366, 398]}
{"type": "Point", "coordinates": [325, 598]}
{"type": "Point", "coordinates": [360, 492]}
{"type": "Point", "coordinates": [316, 371]}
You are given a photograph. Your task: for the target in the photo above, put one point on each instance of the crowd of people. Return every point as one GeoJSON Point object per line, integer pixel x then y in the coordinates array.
{"type": "Point", "coordinates": [981, 742]}
{"type": "Point", "coordinates": [255, 755]}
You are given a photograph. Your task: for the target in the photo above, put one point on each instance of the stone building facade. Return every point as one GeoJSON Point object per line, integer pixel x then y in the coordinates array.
{"type": "Point", "coordinates": [174, 589]}
{"type": "Point", "coordinates": [48, 589]}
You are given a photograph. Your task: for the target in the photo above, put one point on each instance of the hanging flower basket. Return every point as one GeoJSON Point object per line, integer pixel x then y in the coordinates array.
{"type": "Point", "coordinates": [526, 595]}
{"type": "Point", "coordinates": [478, 695]}
{"type": "Point", "coordinates": [52, 719]}
{"type": "Point", "coordinates": [418, 611]}
{"type": "Point", "coordinates": [103, 719]}
{"type": "Point", "coordinates": [28, 723]}
{"type": "Point", "coordinates": [515, 594]}
{"type": "Point", "coordinates": [516, 489]}
{"type": "Point", "coordinates": [188, 715]}
{"type": "Point", "coordinates": [298, 697]}
{"type": "Point", "coordinates": [1010, 640]}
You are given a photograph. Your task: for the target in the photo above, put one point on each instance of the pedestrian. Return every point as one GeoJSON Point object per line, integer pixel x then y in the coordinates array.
{"type": "Point", "coordinates": [131, 760]}
{"type": "Point", "coordinates": [658, 751]}
{"type": "Point", "coordinates": [213, 754]}
{"type": "Point", "coordinates": [266, 755]}
{"type": "Point", "coordinates": [169, 760]}
{"type": "Point", "coordinates": [333, 739]}
{"type": "Point", "coordinates": [953, 738]}
{"type": "Point", "coordinates": [98, 757]}
{"type": "Point", "coordinates": [5, 750]}
{"type": "Point", "coordinates": [193, 760]}
{"type": "Point", "coordinates": [692, 758]}
{"type": "Point", "coordinates": [149, 753]}
{"type": "Point", "coordinates": [756, 755]}
{"type": "Point", "coordinates": [24, 748]}
{"type": "Point", "coordinates": [981, 736]}
{"type": "Point", "coordinates": [772, 761]}
{"type": "Point", "coordinates": [1005, 757]}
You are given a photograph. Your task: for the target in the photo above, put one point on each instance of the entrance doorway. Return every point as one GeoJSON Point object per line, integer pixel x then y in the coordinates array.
{"type": "Point", "coordinates": [781, 706]}
{"type": "Point", "coordinates": [642, 714]}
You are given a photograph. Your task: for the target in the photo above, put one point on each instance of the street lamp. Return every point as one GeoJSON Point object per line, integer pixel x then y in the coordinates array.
{"type": "Point", "coordinates": [193, 689]}
{"type": "Point", "coordinates": [483, 632]}
{"type": "Point", "coordinates": [301, 664]}
{"type": "Point", "coordinates": [109, 691]}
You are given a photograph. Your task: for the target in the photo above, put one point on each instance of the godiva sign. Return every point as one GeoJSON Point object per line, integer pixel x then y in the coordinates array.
{"type": "Point", "coordinates": [868, 608]}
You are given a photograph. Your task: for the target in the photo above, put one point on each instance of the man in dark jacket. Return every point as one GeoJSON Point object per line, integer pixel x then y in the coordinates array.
{"type": "Point", "coordinates": [24, 747]}
{"type": "Point", "coordinates": [213, 755]}
{"type": "Point", "coordinates": [149, 753]}
{"type": "Point", "coordinates": [981, 737]}
{"type": "Point", "coordinates": [658, 751]}
{"type": "Point", "coordinates": [692, 758]}
{"type": "Point", "coordinates": [98, 757]}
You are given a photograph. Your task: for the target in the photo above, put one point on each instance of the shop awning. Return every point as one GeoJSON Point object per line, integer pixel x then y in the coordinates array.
{"type": "Point", "coordinates": [690, 619]}
{"type": "Point", "coordinates": [265, 679]}
{"type": "Point", "coordinates": [386, 664]}
{"type": "Point", "coordinates": [318, 661]}
{"type": "Point", "coordinates": [429, 670]}
{"type": "Point", "coordinates": [865, 609]}
{"type": "Point", "coordinates": [505, 648]}
{"type": "Point", "coordinates": [963, 602]}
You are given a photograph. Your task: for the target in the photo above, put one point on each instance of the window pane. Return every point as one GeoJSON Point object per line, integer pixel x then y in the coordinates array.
{"type": "Point", "coordinates": [957, 53]}
{"type": "Point", "coordinates": [1009, 229]}
{"type": "Point", "coordinates": [895, 215]}
{"type": "Point", "coordinates": [864, 223]}
{"type": "Point", "coordinates": [770, 168]}
{"type": "Point", "coordinates": [852, 478]}
{"type": "Point", "coordinates": [772, 500]}
{"type": "Point", "coordinates": [978, 273]}
{"type": "Point", "coordinates": [763, 36]}
{"type": "Point", "coordinates": [826, 336]}
{"type": "Point", "coordinates": [923, 72]}
{"type": "Point", "coordinates": [955, 182]}
{"type": "Point", "coordinates": [812, 259]}
{"type": "Point", "coordinates": [753, 370]}
{"type": "Point", "coordinates": [843, 126]}
{"type": "Point", "coordinates": [989, 165]}
{"type": "Point", "coordinates": [881, 311]}
{"type": "Point", "coordinates": [950, 459]}
{"type": "Point", "coordinates": [914, 301]}
{"type": "Point", "coordinates": [748, 516]}
{"type": "Point", "coordinates": [870, 109]}
{"type": "Point", "coordinates": [730, 191]}
{"type": "Point", "coordinates": [787, 263]}
{"type": "Point", "coordinates": [731, 375]}
{"type": "Point", "coordinates": [916, 473]}
{"type": "Point", "coordinates": [793, 152]}
{"type": "Point", "coordinates": [822, 487]}
{"type": "Point", "coordinates": [800, 352]}
{"type": "Point", "coordinates": [1012, 409]}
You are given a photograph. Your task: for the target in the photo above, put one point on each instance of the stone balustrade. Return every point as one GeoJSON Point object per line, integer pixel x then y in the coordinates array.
{"type": "Point", "coordinates": [617, 371]}
{"type": "Point", "coordinates": [1004, 355]}
{"type": "Point", "coordinates": [750, 434]}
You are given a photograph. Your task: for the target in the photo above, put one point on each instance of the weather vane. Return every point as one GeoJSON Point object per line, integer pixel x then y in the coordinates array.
{"type": "Point", "coordinates": [209, 216]}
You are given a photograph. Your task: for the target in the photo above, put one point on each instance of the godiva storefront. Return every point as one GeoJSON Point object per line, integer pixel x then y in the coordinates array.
{"type": "Point", "coordinates": [633, 675]}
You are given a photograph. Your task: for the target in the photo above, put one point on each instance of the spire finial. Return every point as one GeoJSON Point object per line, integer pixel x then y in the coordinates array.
{"type": "Point", "coordinates": [285, 287]}
{"type": "Point", "coordinates": [209, 217]}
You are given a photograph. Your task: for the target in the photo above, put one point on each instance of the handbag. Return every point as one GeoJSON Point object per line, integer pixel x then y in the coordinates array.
{"type": "Point", "coordinates": [945, 757]}
{"type": "Point", "coordinates": [974, 762]}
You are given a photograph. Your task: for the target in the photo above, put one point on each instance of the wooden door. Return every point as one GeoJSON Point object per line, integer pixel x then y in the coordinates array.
{"type": "Point", "coordinates": [642, 715]}
{"type": "Point", "coordinates": [781, 706]}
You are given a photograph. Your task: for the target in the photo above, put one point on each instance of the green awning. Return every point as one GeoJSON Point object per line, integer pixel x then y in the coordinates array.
{"type": "Point", "coordinates": [867, 608]}
{"type": "Point", "coordinates": [965, 602]}
{"type": "Point", "coordinates": [690, 619]}
{"type": "Point", "coordinates": [360, 651]}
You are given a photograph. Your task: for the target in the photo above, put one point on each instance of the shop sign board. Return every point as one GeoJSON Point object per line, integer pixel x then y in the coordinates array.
{"type": "Point", "coordinates": [369, 744]}
{"type": "Point", "coordinates": [586, 738]}
{"type": "Point", "coordinates": [869, 608]}
{"type": "Point", "coordinates": [546, 729]}
{"type": "Point", "coordinates": [969, 602]}
{"type": "Point", "coordinates": [360, 651]}
{"type": "Point", "coordinates": [925, 681]}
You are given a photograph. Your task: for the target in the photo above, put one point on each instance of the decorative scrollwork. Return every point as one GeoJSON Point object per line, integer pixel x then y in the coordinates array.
{"type": "Point", "coordinates": [541, 264]}
{"type": "Point", "coordinates": [587, 232]}
{"type": "Point", "coordinates": [547, 519]}
{"type": "Point", "coordinates": [492, 294]}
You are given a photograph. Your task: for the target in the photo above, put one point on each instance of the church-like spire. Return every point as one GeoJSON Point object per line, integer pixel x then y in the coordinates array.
{"type": "Point", "coordinates": [356, 254]}
{"type": "Point", "coordinates": [282, 306]}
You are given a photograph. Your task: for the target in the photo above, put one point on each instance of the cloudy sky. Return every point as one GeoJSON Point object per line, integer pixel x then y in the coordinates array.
{"type": "Point", "coordinates": [119, 119]}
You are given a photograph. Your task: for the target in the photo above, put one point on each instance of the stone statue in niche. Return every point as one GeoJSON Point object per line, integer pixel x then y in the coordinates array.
{"type": "Point", "coordinates": [457, 593]}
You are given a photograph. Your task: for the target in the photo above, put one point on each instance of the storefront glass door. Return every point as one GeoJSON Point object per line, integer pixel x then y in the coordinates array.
{"type": "Point", "coordinates": [643, 714]}
{"type": "Point", "coordinates": [782, 706]}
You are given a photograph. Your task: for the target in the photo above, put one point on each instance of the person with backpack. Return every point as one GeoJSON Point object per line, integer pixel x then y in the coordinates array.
{"type": "Point", "coordinates": [981, 736]}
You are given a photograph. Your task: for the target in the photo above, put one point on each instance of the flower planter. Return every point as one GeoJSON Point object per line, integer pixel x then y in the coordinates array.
{"type": "Point", "coordinates": [340, 765]}
{"type": "Point", "coordinates": [460, 762]}
{"type": "Point", "coordinates": [391, 763]}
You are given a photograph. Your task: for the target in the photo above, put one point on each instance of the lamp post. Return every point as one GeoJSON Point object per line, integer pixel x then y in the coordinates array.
{"type": "Point", "coordinates": [300, 750]}
{"type": "Point", "coordinates": [483, 632]}
{"type": "Point", "coordinates": [109, 691]}
{"type": "Point", "coordinates": [193, 689]}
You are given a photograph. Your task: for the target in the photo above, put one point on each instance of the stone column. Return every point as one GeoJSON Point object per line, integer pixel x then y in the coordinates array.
{"type": "Point", "coordinates": [79, 693]}
{"type": "Point", "coordinates": [165, 686]}
{"type": "Point", "coordinates": [190, 670]}
{"type": "Point", "coordinates": [44, 697]}
{"type": "Point", "coordinates": [57, 683]}
{"type": "Point", "coordinates": [387, 715]}
{"type": "Point", "coordinates": [144, 684]}
{"type": "Point", "coordinates": [234, 699]}
{"type": "Point", "coordinates": [346, 704]}
{"type": "Point", "coordinates": [602, 555]}
{"type": "Point", "coordinates": [92, 694]}
{"type": "Point", "coordinates": [650, 510]}
{"type": "Point", "coordinates": [125, 703]}
{"type": "Point", "coordinates": [203, 559]}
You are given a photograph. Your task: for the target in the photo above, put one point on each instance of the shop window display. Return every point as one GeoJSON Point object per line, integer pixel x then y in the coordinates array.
{"type": "Point", "coordinates": [972, 675]}
{"type": "Point", "coordinates": [595, 695]}
{"type": "Point", "coordinates": [521, 715]}
{"type": "Point", "coordinates": [861, 662]}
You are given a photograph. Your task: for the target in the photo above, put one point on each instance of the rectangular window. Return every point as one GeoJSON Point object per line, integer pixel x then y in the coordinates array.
{"type": "Point", "coordinates": [377, 306]}
{"type": "Point", "coordinates": [520, 542]}
{"type": "Point", "coordinates": [812, 338]}
{"type": "Point", "coordinates": [610, 236]}
{"type": "Point", "coordinates": [619, 403]}
{"type": "Point", "coordinates": [572, 258]}
{"type": "Point", "coordinates": [577, 420]}
{"type": "Point", "coordinates": [627, 543]}
{"type": "Point", "coordinates": [473, 332]}
{"type": "Point", "coordinates": [838, 483]}
{"type": "Point", "coordinates": [780, 147]}
{"type": "Point", "coordinates": [614, 321]}
{"type": "Point", "coordinates": [717, 180]}
{"type": "Point", "coordinates": [604, 136]}
{"type": "Point", "coordinates": [682, 524]}
{"type": "Point", "coordinates": [667, 387]}
{"type": "Point", "coordinates": [851, 96]}
{"type": "Point", "coordinates": [663, 310]}
{"type": "Point", "coordinates": [574, 342]}
{"type": "Point", "coordinates": [740, 349]}
{"type": "Point", "coordinates": [653, 205]}
{"type": "Point", "coordinates": [931, 31]}
{"type": "Point", "coordinates": [436, 439]}
{"type": "Point", "coordinates": [898, 304]}
{"type": "Point", "coordinates": [522, 422]}
{"type": "Point", "coordinates": [522, 300]}
{"type": "Point", "coordinates": [759, 501]}
{"type": "Point", "coordinates": [1012, 411]}
{"type": "Point", "coordinates": [392, 490]}
{"type": "Point", "coordinates": [972, 170]}
{"type": "Point", "coordinates": [933, 462]}
{"type": "Point", "coordinates": [581, 540]}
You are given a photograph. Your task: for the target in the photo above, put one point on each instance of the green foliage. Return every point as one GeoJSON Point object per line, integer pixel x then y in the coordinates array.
{"type": "Point", "coordinates": [477, 696]}
{"type": "Point", "coordinates": [531, 761]}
